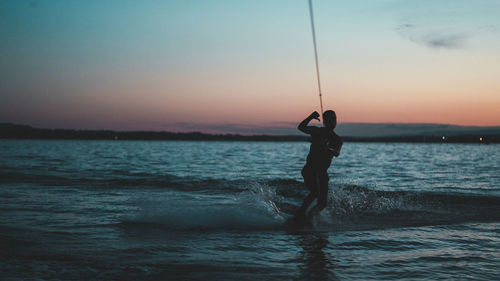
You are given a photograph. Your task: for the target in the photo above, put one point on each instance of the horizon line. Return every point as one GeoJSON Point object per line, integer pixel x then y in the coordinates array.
{"type": "Point", "coordinates": [243, 126]}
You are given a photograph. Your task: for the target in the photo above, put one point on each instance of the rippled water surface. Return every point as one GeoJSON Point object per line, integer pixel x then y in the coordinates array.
{"type": "Point", "coordinates": [139, 210]}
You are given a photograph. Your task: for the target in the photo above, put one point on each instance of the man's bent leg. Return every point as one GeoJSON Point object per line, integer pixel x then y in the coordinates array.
{"type": "Point", "coordinates": [322, 194]}
{"type": "Point", "coordinates": [312, 183]}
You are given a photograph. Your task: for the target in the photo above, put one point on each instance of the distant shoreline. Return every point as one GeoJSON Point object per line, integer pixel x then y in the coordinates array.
{"type": "Point", "coordinates": [14, 131]}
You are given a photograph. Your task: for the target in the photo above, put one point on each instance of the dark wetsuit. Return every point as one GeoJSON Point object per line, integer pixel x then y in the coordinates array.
{"type": "Point", "coordinates": [325, 144]}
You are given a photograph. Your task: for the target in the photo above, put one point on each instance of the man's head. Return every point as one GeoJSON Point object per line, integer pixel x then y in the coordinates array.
{"type": "Point", "coordinates": [330, 119]}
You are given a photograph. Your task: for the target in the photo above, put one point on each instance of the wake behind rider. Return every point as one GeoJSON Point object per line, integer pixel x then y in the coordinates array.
{"type": "Point", "coordinates": [325, 144]}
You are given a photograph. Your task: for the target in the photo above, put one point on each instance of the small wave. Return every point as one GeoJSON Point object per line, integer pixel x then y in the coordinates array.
{"type": "Point", "coordinates": [254, 209]}
{"type": "Point", "coordinates": [351, 199]}
{"type": "Point", "coordinates": [357, 208]}
{"type": "Point", "coordinates": [266, 203]}
{"type": "Point", "coordinates": [128, 180]}
{"type": "Point", "coordinates": [265, 207]}
{"type": "Point", "coordinates": [189, 184]}
{"type": "Point", "coordinates": [25, 177]}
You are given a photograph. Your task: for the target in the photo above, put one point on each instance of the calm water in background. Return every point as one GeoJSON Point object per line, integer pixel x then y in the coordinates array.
{"type": "Point", "coordinates": [142, 210]}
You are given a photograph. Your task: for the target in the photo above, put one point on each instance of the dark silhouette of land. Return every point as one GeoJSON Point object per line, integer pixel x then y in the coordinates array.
{"type": "Point", "coordinates": [15, 131]}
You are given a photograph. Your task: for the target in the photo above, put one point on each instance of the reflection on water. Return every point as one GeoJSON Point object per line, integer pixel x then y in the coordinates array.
{"type": "Point", "coordinates": [317, 263]}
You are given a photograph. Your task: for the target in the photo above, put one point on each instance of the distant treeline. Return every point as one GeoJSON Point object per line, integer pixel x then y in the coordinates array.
{"type": "Point", "coordinates": [14, 131]}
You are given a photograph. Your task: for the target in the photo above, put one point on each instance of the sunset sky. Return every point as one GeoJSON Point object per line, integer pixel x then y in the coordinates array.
{"type": "Point", "coordinates": [160, 65]}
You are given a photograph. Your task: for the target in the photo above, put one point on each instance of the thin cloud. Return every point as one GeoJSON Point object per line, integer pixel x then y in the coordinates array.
{"type": "Point", "coordinates": [489, 28]}
{"type": "Point", "coordinates": [447, 41]}
{"type": "Point", "coordinates": [433, 39]}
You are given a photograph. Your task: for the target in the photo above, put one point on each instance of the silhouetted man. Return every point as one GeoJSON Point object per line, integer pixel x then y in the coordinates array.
{"type": "Point", "coordinates": [325, 144]}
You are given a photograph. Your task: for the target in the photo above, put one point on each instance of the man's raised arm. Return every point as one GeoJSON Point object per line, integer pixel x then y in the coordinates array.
{"type": "Point", "coordinates": [303, 125]}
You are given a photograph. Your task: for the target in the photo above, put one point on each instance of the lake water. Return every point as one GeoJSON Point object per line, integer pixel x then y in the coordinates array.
{"type": "Point", "coordinates": [154, 210]}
